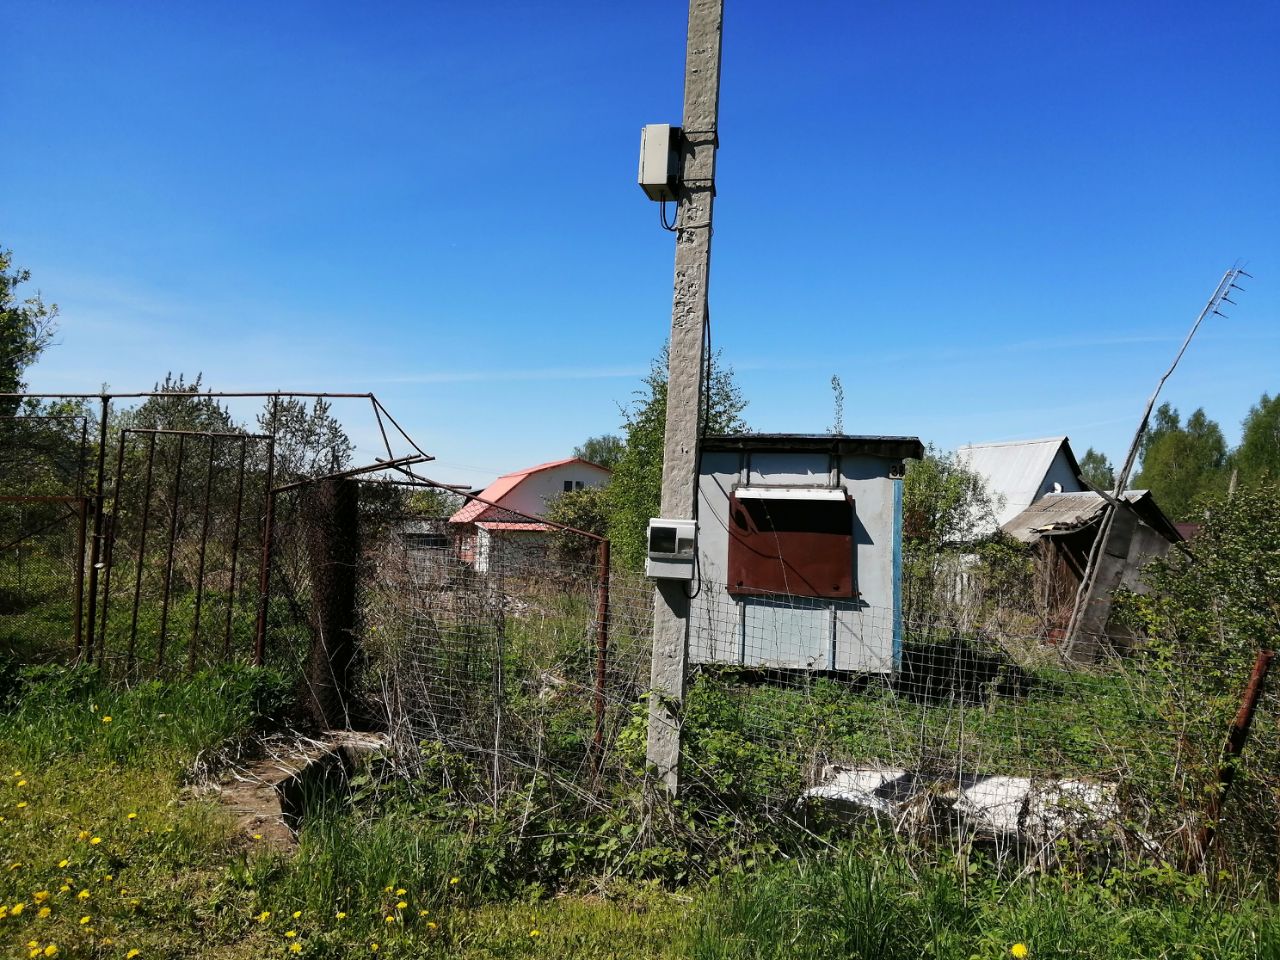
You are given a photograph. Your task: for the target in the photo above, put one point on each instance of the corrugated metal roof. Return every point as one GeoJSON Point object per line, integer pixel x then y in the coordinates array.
{"type": "Point", "coordinates": [492, 525]}
{"type": "Point", "coordinates": [1063, 512]}
{"type": "Point", "coordinates": [474, 509]}
{"type": "Point", "coordinates": [1014, 471]}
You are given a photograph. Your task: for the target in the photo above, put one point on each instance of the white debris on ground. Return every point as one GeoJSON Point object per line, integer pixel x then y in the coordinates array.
{"type": "Point", "coordinates": [1008, 811]}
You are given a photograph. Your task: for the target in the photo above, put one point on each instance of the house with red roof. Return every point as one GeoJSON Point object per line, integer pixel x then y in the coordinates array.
{"type": "Point", "coordinates": [505, 519]}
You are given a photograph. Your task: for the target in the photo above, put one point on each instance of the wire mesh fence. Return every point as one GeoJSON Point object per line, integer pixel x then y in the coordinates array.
{"type": "Point", "coordinates": [44, 514]}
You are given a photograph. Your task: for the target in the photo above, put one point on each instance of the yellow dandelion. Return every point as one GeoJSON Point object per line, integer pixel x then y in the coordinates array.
{"type": "Point", "coordinates": [51, 950]}
{"type": "Point", "coordinates": [401, 892]}
{"type": "Point", "coordinates": [295, 947]}
{"type": "Point", "coordinates": [63, 864]}
{"type": "Point", "coordinates": [389, 918]}
{"type": "Point", "coordinates": [16, 909]}
{"type": "Point", "coordinates": [106, 719]}
{"type": "Point", "coordinates": [423, 913]}
{"type": "Point", "coordinates": [341, 915]}
{"type": "Point", "coordinates": [94, 841]}
{"type": "Point", "coordinates": [22, 783]}
{"type": "Point", "coordinates": [65, 888]}
{"type": "Point", "coordinates": [264, 916]}
{"type": "Point", "coordinates": [132, 953]}
{"type": "Point", "coordinates": [82, 836]}
{"type": "Point", "coordinates": [373, 948]}
{"type": "Point", "coordinates": [432, 925]}
{"type": "Point", "coordinates": [132, 816]}
{"type": "Point", "coordinates": [1019, 950]}
{"type": "Point", "coordinates": [535, 932]}
{"type": "Point", "coordinates": [108, 878]}
{"type": "Point", "coordinates": [388, 888]}
{"type": "Point", "coordinates": [35, 952]}
{"type": "Point", "coordinates": [257, 836]}
{"type": "Point", "coordinates": [22, 804]}
{"type": "Point", "coordinates": [453, 880]}
{"type": "Point", "coordinates": [290, 934]}
{"type": "Point", "coordinates": [82, 895]}
{"type": "Point", "coordinates": [297, 914]}
{"type": "Point", "coordinates": [43, 912]}
{"type": "Point", "coordinates": [401, 905]}
{"type": "Point", "coordinates": [84, 920]}
{"type": "Point", "coordinates": [40, 896]}
{"type": "Point", "coordinates": [4, 910]}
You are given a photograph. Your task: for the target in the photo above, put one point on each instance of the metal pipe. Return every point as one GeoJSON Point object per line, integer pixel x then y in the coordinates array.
{"type": "Point", "coordinates": [602, 655]}
{"type": "Point", "coordinates": [354, 472]}
{"type": "Point", "coordinates": [110, 553]}
{"type": "Point", "coordinates": [95, 547]}
{"type": "Point", "coordinates": [204, 542]}
{"type": "Point", "coordinates": [198, 433]}
{"type": "Point", "coordinates": [1237, 737]}
{"type": "Point", "coordinates": [168, 565]}
{"type": "Point", "coordinates": [235, 550]}
{"type": "Point", "coordinates": [77, 600]}
{"type": "Point", "coordinates": [268, 533]}
{"type": "Point", "coordinates": [142, 547]}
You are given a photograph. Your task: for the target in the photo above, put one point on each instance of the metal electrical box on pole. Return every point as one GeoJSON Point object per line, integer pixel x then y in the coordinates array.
{"type": "Point", "coordinates": [694, 192]}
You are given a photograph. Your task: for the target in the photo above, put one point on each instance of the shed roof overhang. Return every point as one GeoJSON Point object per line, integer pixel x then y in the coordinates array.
{"type": "Point", "coordinates": [892, 448]}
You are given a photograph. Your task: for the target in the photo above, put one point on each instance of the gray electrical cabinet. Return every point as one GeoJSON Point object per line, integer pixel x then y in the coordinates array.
{"type": "Point", "coordinates": [799, 552]}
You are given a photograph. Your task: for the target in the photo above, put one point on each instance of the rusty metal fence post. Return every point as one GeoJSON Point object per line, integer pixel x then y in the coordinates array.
{"type": "Point", "coordinates": [1237, 737]}
{"type": "Point", "coordinates": [95, 546]}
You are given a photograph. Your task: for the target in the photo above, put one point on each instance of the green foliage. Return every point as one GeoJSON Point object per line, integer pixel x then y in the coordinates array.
{"type": "Point", "coordinates": [636, 488]}
{"type": "Point", "coordinates": [605, 450]}
{"type": "Point", "coordinates": [871, 906]}
{"type": "Point", "coordinates": [586, 509]}
{"type": "Point", "coordinates": [26, 329]}
{"type": "Point", "coordinates": [309, 441]}
{"type": "Point", "coordinates": [1223, 599]}
{"type": "Point", "coordinates": [1097, 470]}
{"type": "Point", "coordinates": [434, 503]}
{"type": "Point", "coordinates": [1182, 464]}
{"type": "Point", "coordinates": [1258, 456]}
{"type": "Point", "coordinates": [945, 508]}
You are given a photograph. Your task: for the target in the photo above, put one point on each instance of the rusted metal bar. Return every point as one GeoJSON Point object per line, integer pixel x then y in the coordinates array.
{"type": "Point", "coordinates": [77, 598]}
{"type": "Point", "coordinates": [19, 498]}
{"type": "Point", "coordinates": [354, 472]}
{"type": "Point", "coordinates": [142, 549]}
{"type": "Point", "coordinates": [268, 534]}
{"type": "Point", "coordinates": [99, 500]}
{"type": "Point", "coordinates": [109, 554]}
{"type": "Point", "coordinates": [1237, 737]}
{"type": "Point", "coordinates": [185, 394]}
{"type": "Point", "coordinates": [602, 655]}
{"type": "Point", "coordinates": [399, 429]}
{"type": "Point", "coordinates": [204, 542]}
{"type": "Point", "coordinates": [235, 551]}
{"type": "Point", "coordinates": [377, 415]}
{"type": "Point", "coordinates": [168, 565]}
{"type": "Point", "coordinates": [199, 433]}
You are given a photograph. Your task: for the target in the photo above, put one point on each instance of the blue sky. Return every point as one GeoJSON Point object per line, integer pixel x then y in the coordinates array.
{"type": "Point", "coordinates": [992, 221]}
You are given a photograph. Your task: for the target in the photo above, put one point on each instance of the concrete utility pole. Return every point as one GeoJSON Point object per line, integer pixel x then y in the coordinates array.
{"type": "Point", "coordinates": [695, 196]}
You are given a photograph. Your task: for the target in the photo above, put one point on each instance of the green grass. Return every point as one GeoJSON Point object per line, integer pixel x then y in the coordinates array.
{"type": "Point", "coordinates": [176, 880]}
{"type": "Point", "coordinates": [877, 908]}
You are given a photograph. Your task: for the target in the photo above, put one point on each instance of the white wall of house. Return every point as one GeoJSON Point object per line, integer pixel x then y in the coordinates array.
{"type": "Point", "coordinates": [537, 490]}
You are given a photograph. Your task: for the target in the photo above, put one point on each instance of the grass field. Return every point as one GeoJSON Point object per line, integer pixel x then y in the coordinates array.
{"type": "Point", "coordinates": [104, 853]}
